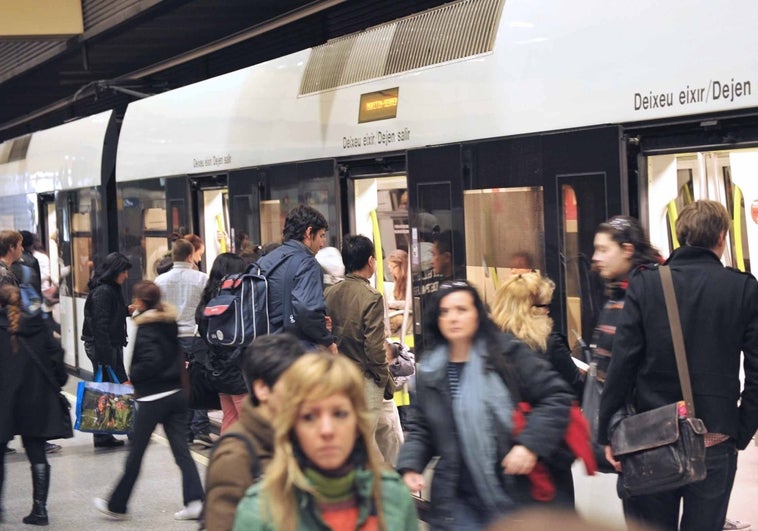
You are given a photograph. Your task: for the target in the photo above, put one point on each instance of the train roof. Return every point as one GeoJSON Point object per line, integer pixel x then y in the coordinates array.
{"type": "Point", "coordinates": [65, 157]}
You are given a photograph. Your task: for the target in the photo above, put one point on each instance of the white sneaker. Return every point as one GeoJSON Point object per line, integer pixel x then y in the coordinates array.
{"type": "Point", "coordinates": [191, 511]}
{"type": "Point", "coordinates": [102, 506]}
{"type": "Point", "coordinates": [735, 524]}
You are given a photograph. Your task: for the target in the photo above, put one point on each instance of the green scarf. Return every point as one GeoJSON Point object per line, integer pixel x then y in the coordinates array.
{"type": "Point", "coordinates": [332, 489]}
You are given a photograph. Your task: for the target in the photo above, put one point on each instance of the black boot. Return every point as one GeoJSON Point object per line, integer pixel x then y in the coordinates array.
{"type": "Point", "coordinates": [40, 486]}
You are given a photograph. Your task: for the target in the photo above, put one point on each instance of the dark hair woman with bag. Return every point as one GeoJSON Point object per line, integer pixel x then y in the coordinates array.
{"type": "Point", "coordinates": [223, 362]}
{"type": "Point", "coordinates": [104, 327]}
{"type": "Point", "coordinates": [468, 385]}
{"type": "Point", "coordinates": [31, 376]}
{"type": "Point", "coordinates": [156, 373]}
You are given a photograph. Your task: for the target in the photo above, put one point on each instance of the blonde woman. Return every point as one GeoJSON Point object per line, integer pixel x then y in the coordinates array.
{"type": "Point", "coordinates": [324, 473]}
{"type": "Point", "coordinates": [522, 308]}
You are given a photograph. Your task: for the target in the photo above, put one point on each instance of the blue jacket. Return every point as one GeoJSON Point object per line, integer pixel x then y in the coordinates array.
{"type": "Point", "coordinates": [307, 319]}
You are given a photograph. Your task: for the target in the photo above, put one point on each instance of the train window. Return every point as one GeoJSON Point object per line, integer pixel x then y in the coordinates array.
{"type": "Point", "coordinates": [86, 232]}
{"type": "Point", "coordinates": [505, 235]}
{"type": "Point", "coordinates": [293, 188]}
{"type": "Point", "coordinates": [19, 212]}
{"type": "Point", "coordinates": [440, 252]}
{"type": "Point", "coordinates": [143, 224]}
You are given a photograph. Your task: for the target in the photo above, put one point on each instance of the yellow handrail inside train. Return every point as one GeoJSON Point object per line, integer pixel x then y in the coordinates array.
{"type": "Point", "coordinates": [378, 251]}
{"type": "Point", "coordinates": [672, 215]}
{"type": "Point", "coordinates": [737, 228]}
{"type": "Point", "coordinates": [220, 228]}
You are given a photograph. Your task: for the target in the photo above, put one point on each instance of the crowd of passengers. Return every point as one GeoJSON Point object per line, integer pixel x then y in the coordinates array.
{"type": "Point", "coordinates": [311, 436]}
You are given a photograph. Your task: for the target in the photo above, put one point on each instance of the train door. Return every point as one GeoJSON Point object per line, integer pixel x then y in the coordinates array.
{"type": "Point", "coordinates": [82, 242]}
{"type": "Point", "coordinates": [211, 217]}
{"type": "Point", "coordinates": [47, 233]}
{"type": "Point", "coordinates": [378, 208]}
{"type": "Point", "coordinates": [727, 176]}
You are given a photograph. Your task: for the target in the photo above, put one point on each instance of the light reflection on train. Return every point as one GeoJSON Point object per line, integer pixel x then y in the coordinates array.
{"type": "Point", "coordinates": [484, 158]}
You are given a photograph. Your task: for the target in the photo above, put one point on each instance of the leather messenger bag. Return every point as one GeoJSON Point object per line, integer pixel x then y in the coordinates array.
{"type": "Point", "coordinates": [664, 448]}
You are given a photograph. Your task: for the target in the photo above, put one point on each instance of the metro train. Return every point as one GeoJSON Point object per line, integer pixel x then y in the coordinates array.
{"type": "Point", "coordinates": [514, 129]}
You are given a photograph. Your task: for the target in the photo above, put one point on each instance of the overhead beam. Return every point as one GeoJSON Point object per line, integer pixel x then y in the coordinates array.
{"type": "Point", "coordinates": [202, 51]}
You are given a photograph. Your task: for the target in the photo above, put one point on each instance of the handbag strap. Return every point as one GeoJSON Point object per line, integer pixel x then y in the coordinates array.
{"type": "Point", "coordinates": [45, 370]}
{"type": "Point", "coordinates": [676, 336]}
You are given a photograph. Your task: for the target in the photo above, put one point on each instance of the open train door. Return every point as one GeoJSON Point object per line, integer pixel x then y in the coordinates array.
{"type": "Point", "coordinates": [435, 204]}
{"type": "Point", "coordinates": [586, 171]}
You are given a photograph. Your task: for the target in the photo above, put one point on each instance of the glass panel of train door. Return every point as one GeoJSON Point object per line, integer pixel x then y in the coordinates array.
{"type": "Point", "coordinates": [69, 325]}
{"type": "Point", "coordinates": [435, 199]}
{"type": "Point", "coordinates": [244, 210]}
{"type": "Point", "coordinates": [310, 183]}
{"type": "Point", "coordinates": [585, 170]}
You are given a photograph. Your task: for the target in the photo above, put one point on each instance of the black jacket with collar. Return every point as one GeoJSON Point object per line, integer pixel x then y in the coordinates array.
{"type": "Point", "coordinates": [718, 309]}
{"type": "Point", "coordinates": [157, 359]}
{"type": "Point", "coordinates": [105, 320]}
{"type": "Point", "coordinates": [432, 430]}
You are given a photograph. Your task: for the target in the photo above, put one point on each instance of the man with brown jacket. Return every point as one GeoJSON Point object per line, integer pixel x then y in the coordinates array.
{"type": "Point", "coordinates": [357, 312]}
{"type": "Point", "coordinates": [231, 467]}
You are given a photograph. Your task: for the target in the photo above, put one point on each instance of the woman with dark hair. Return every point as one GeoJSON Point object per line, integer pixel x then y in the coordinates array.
{"type": "Point", "coordinates": [223, 362]}
{"type": "Point", "coordinates": [621, 248]}
{"type": "Point", "coordinates": [31, 376]}
{"type": "Point", "coordinates": [325, 473]}
{"type": "Point", "coordinates": [199, 246]}
{"type": "Point", "coordinates": [468, 384]}
{"type": "Point", "coordinates": [156, 375]}
{"type": "Point", "coordinates": [104, 327]}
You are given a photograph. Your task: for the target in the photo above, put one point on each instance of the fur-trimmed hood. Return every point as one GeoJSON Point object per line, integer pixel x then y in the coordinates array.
{"type": "Point", "coordinates": [167, 315]}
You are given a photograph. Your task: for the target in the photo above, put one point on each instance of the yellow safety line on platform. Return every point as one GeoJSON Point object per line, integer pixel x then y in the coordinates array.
{"type": "Point", "coordinates": [160, 439]}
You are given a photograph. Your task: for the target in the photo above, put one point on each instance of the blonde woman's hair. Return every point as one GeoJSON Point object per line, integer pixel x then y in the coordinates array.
{"type": "Point", "coordinates": [516, 309]}
{"type": "Point", "coordinates": [314, 376]}
{"type": "Point", "coordinates": [10, 299]}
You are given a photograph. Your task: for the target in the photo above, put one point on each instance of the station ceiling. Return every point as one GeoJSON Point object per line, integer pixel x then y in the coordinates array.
{"type": "Point", "coordinates": [132, 48]}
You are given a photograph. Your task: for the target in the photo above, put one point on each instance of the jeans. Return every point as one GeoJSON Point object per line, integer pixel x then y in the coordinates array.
{"type": "Point", "coordinates": [197, 419]}
{"type": "Point", "coordinates": [705, 502]}
{"type": "Point", "coordinates": [171, 411]}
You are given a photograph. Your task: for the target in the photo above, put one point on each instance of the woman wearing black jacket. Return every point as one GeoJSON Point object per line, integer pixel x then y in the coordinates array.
{"type": "Point", "coordinates": [31, 376]}
{"type": "Point", "coordinates": [468, 384]}
{"type": "Point", "coordinates": [104, 327]}
{"type": "Point", "coordinates": [155, 372]}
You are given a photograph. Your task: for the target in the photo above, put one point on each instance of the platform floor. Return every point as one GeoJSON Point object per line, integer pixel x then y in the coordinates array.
{"type": "Point", "coordinates": [80, 472]}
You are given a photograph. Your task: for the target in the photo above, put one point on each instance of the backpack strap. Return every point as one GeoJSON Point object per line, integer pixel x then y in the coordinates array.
{"type": "Point", "coordinates": [255, 466]}
{"type": "Point", "coordinates": [289, 275]}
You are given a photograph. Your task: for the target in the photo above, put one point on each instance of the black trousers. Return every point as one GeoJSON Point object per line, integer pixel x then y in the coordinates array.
{"type": "Point", "coordinates": [171, 411]}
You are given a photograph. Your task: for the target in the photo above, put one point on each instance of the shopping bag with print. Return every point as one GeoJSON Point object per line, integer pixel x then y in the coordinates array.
{"type": "Point", "coordinates": [105, 407]}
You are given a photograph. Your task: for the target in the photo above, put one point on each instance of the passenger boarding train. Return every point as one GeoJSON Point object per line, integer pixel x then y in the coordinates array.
{"type": "Point", "coordinates": [515, 128]}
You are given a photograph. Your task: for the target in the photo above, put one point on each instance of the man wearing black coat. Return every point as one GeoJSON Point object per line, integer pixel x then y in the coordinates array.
{"type": "Point", "coordinates": [718, 309]}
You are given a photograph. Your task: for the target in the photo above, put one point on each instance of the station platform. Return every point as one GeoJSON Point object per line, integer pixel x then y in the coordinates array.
{"type": "Point", "coordinates": [79, 472]}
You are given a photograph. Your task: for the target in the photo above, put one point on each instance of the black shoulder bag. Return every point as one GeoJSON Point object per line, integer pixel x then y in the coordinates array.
{"type": "Point", "coordinates": [664, 448]}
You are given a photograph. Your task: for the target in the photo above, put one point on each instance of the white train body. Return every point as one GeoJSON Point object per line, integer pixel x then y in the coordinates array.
{"type": "Point", "coordinates": [554, 65]}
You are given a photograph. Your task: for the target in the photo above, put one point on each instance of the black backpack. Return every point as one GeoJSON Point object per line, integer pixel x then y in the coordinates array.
{"type": "Point", "coordinates": [239, 312]}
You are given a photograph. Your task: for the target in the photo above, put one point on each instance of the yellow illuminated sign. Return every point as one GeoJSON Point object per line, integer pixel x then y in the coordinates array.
{"type": "Point", "coordinates": [380, 105]}
{"type": "Point", "coordinates": [40, 18]}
